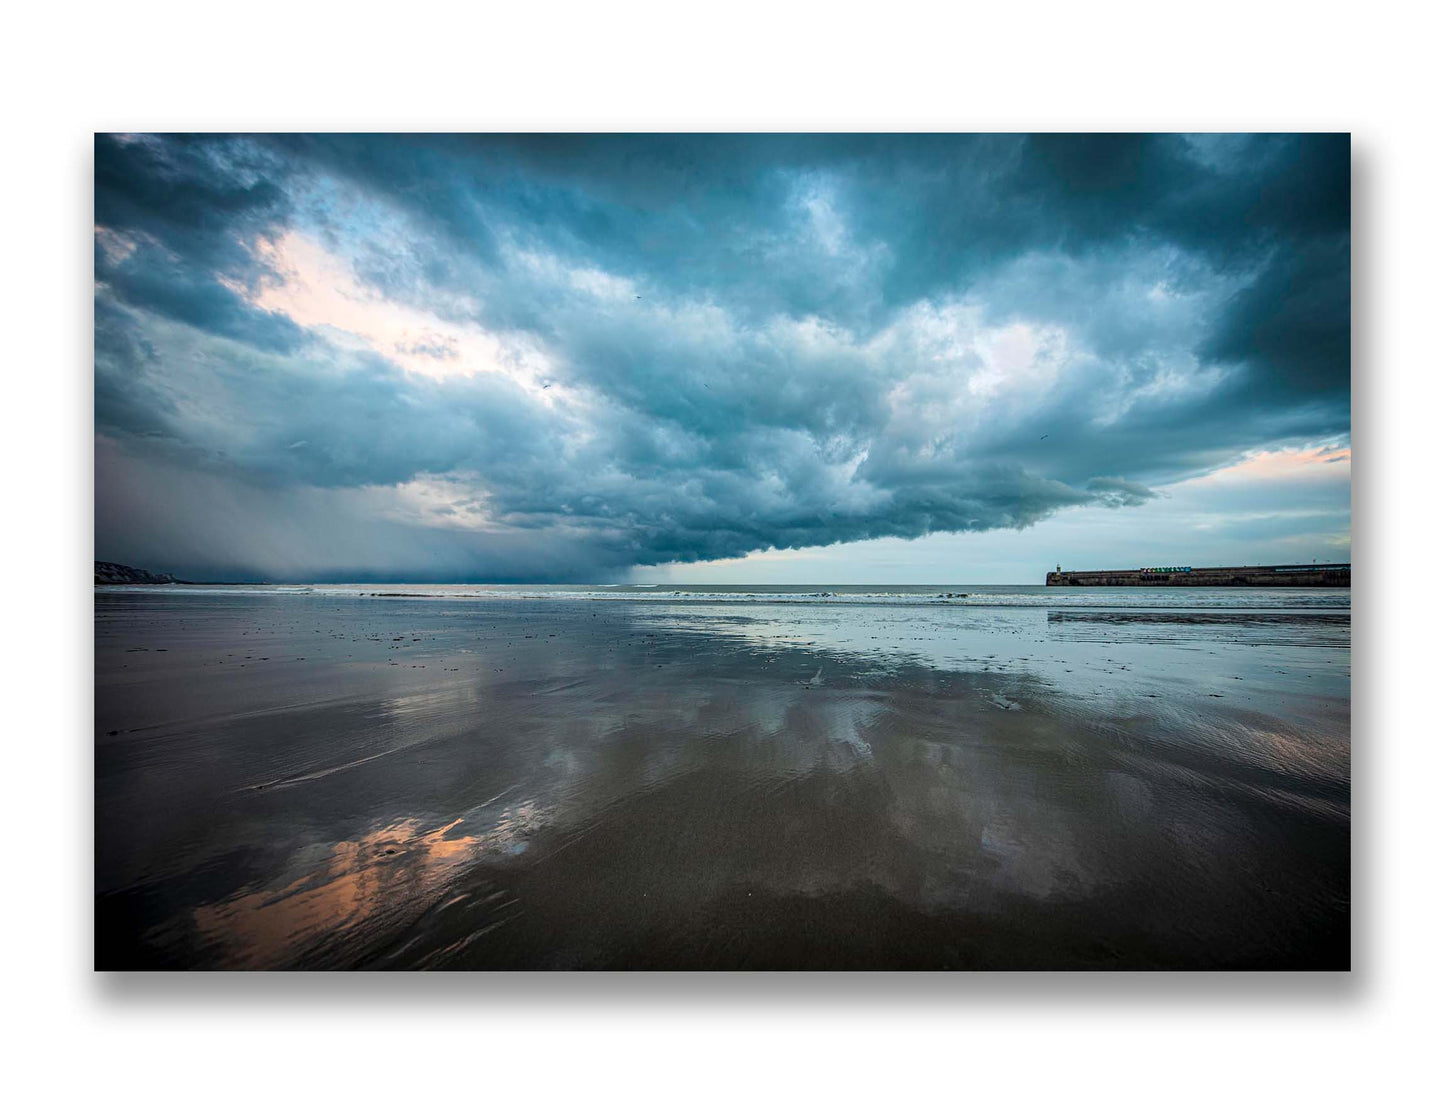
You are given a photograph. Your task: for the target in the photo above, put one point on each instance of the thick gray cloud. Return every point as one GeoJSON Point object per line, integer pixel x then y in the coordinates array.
{"type": "Point", "coordinates": [563, 356]}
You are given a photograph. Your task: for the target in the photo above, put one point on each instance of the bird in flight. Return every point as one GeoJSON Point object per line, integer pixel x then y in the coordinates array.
{"type": "Point", "coordinates": [1041, 438]}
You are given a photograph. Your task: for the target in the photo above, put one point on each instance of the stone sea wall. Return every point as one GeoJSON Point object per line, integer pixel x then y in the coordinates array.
{"type": "Point", "coordinates": [1270, 575]}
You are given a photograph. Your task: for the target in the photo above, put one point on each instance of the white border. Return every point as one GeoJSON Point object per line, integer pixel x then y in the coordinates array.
{"type": "Point", "coordinates": [73, 70]}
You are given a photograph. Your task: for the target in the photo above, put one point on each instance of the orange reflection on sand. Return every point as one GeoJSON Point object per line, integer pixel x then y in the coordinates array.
{"type": "Point", "coordinates": [360, 883]}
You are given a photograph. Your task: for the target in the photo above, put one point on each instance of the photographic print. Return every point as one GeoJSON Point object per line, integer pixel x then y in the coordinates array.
{"type": "Point", "coordinates": [722, 551]}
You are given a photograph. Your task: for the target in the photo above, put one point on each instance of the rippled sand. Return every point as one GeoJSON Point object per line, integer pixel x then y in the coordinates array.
{"type": "Point", "coordinates": [322, 780]}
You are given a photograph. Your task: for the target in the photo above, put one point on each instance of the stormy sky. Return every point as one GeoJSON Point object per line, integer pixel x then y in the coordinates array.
{"type": "Point", "coordinates": [834, 358]}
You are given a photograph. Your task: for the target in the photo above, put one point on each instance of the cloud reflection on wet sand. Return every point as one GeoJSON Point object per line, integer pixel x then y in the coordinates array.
{"type": "Point", "coordinates": [620, 795]}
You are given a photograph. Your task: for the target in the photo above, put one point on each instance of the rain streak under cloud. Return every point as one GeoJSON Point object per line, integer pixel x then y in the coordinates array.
{"type": "Point", "coordinates": [580, 357]}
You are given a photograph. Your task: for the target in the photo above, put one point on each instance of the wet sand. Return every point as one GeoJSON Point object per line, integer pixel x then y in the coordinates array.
{"type": "Point", "coordinates": [314, 781]}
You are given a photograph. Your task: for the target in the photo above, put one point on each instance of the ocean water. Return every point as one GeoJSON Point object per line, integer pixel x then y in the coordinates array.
{"type": "Point", "coordinates": [1284, 598]}
{"type": "Point", "coordinates": [389, 776]}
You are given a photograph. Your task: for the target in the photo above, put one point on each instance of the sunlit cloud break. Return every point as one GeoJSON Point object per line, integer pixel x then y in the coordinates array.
{"type": "Point", "coordinates": [577, 357]}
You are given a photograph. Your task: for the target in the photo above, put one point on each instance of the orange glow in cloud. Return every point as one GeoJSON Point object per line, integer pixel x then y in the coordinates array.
{"type": "Point", "coordinates": [1284, 464]}
{"type": "Point", "coordinates": [316, 289]}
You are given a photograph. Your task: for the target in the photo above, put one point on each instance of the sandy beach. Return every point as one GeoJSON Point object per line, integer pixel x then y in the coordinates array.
{"type": "Point", "coordinates": [328, 779]}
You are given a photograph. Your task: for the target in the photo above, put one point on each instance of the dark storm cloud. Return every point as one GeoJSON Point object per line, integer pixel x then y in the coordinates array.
{"type": "Point", "coordinates": [704, 345]}
{"type": "Point", "coordinates": [186, 208]}
{"type": "Point", "coordinates": [194, 195]}
{"type": "Point", "coordinates": [148, 279]}
{"type": "Point", "coordinates": [1293, 323]}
